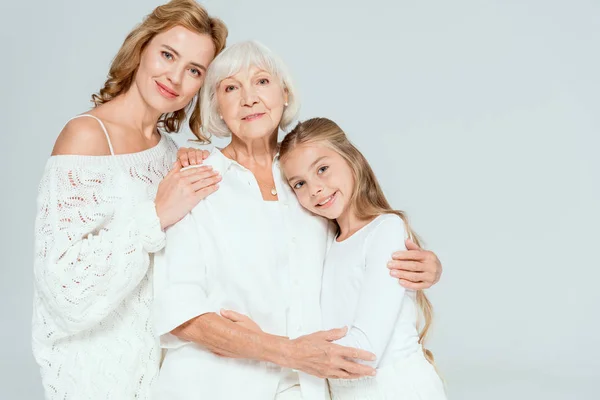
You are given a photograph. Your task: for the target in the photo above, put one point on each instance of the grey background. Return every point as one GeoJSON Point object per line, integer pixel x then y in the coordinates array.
{"type": "Point", "coordinates": [480, 118]}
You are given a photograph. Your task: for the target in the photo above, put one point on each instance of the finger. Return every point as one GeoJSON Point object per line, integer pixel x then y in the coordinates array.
{"type": "Point", "coordinates": [408, 275]}
{"type": "Point", "coordinates": [191, 155]}
{"type": "Point", "coordinates": [183, 159]}
{"type": "Point", "coordinates": [205, 183]}
{"type": "Point", "coordinates": [356, 369]}
{"type": "Point", "coordinates": [335, 334]}
{"type": "Point", "coordinates": [353, 353]}
{"type": "Point", "coordinates": [232, 315]}
{"type": "Point", "coordinates": [414, 266]}
{"type": "Point", "coordinates": [338, 374]}
{"type": "Point", "coordinates": [203, 175]}
{"type": "Point", "coordinates": [413, 285]}
{"type": "Point", "coordinates": [197, 169]}
{"type": "Point", "coordinates": [205, 154]}
{"type": "Point", "coordinates": [410, 245]}
{"type": "Point", "coordinates": [204, 193]}
{"type": "Point", "coordinates": [411, 255]}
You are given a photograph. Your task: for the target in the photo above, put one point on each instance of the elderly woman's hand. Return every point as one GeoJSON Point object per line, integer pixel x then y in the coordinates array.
{"type": "Point", "coordinates": [315, 354]}
{"type": "Point", "coordinates": [187, 156]}
{"type": "Point", "coordinates": [241, 320]}
{"type": "Point", "coordinates": [415, 268]}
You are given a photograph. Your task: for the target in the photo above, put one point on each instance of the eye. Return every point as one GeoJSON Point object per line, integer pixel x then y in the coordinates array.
{"type": "Point", "coordinates": [322, 169]}
{"type": "Point", "coordinates": [167, 55]}
{"type": "Point", "coordinates": [263, 81]}
{"type": "Point", "coordinates": [229, 88]}
{"type": "Point", "coordinates": [298, 185]}
{"type": "Point", "coordinates": [195, 71]}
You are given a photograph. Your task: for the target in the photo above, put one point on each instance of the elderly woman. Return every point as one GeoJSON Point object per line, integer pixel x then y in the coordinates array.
{"type": "Point", "coordinates": [250, 247]}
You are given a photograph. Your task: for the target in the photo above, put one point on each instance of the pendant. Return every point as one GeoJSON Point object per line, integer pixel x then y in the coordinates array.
{"type": "Point", "coordinates": [274, 191]}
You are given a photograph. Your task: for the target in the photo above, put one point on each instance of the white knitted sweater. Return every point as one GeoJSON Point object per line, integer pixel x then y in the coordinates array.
{"type": "Point", "coordinates": [95, 232]}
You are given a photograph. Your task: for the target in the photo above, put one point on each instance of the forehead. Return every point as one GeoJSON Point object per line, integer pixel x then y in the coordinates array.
{"type": "Point", "coordinates": [248, 72]}
{"type": "Point", "coordinates": [302, 156]}
{"type": "Point", "coordinates": [186, 42]}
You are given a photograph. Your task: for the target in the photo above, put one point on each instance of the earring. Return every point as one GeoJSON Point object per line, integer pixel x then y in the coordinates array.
{"type": "Point", "coordinates": [220, 116]}
{"type": "Point", "coordinates": [285, 104]}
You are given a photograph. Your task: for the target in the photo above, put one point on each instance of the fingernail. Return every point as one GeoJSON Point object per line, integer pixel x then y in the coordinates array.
{"type": "Point", "coordinates": [373, 373]}
{"type": "Point", "coordinates": [389, 264]}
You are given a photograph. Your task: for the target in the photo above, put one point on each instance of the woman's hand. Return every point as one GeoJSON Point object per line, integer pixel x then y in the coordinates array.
{"type": "Point", "coordinates": [187, 156]}
{"type": "Point", "coordinates": [316, 355]}
{"type": "Point", "coordinates": [181, 190]}
{"type": "Point", "coordinates": [415, 268]}
{"type": "Point", "coordinates": [241, 320]}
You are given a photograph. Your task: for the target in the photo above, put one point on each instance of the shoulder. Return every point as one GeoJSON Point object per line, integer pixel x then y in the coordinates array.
{"type": "Point", "coordinates": [388, 227]}
{"type": "Point", "coordinates": [82, 136]}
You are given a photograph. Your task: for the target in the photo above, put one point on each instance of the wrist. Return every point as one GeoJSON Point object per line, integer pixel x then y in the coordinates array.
{"type": "Point", "coordinates": [278, 350]}
{"type": "Point", "coordinates": [159, 214]}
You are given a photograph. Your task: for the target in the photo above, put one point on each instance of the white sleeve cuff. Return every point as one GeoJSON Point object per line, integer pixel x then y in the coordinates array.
{"type": "Point", "coordinates": [148, 226]}
{"type": "Point", "coordinates": [176, 305]}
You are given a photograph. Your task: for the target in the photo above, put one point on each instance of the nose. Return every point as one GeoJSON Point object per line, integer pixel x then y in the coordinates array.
{"type": "Point", "coordinates": [315, 189]}
{"type": "Point", "coordinates": [175, 75]}
{"type": "Point", "coordinates": [249, 97]}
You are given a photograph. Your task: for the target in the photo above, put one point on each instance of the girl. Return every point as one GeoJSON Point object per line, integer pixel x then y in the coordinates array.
{"type": "Point", "coordinates": [331, 178]}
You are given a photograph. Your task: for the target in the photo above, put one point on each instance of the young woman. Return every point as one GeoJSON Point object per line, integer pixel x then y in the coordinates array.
{"type": "Point", "coordinates": [331, 178]}
{"type": "Point", "coordinates": [106, 196]}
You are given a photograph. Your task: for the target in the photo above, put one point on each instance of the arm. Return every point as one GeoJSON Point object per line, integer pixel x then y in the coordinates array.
{"type": "Point", "coordinates": [185, 313]}
{"type": "Point", "coordinates": [87, 258]}
{"type": "Point", "coordinates": [380, 298]}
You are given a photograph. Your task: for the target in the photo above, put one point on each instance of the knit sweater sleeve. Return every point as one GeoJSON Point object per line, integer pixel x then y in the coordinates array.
{"type": "Point", "coordinates": [92, 242]}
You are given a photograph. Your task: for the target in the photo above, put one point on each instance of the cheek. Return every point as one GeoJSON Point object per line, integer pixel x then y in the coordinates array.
{"type": "Point", "coordinates": [304, 200]}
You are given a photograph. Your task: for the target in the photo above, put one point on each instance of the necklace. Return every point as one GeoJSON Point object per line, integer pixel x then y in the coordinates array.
{"type": "Point", "coordinates": [271, 188]}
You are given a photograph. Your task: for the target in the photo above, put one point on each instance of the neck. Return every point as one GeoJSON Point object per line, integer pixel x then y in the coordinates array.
{"type": "Point", "coordinates": [253, 152]}
{"type": "Point", "coordinates": [136, 113]}
{"type": "Point", "coordinates": [349, 223]}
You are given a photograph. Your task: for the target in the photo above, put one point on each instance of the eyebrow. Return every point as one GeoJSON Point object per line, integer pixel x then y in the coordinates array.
{"type": "Point", "coordinates": [202, 67]}
{"type": "Point", "coordinates": [310, 167]}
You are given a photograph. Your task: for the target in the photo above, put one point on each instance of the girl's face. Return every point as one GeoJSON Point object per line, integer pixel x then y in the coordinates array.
{"type": "Point", "coordinates": [321, 179]}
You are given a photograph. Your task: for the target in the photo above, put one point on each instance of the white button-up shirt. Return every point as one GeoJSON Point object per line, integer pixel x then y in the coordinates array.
{"type": "Point", "coordinates": [223, 255]}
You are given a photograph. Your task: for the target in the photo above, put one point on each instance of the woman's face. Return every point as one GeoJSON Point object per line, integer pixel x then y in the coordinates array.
{"type": "Point", "coordinates": [172, 68]}
{"type": "Point", "coordinates": [251, 103]}
{"type": "Point", "coordinates": [321, 179]}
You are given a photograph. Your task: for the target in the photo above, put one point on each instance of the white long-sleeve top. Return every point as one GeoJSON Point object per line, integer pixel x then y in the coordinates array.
{"type": "Point", "coordinates": [96, 229]}
{"type": "Point", "coordinates": [358, 293]}
{"type": "Point", "coordinates": [229, 253]}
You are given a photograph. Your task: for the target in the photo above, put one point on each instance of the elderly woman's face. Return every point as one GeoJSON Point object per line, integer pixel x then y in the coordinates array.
{"type": "Point", "coordinates": [251, 103]}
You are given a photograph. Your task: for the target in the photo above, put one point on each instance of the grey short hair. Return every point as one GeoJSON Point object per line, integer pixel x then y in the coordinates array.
{"type": "Point", "coordinates": [233, 59]}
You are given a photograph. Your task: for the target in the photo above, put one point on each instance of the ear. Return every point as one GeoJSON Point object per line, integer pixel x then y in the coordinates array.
{"type": "Point", "coordinates": [285, 95]}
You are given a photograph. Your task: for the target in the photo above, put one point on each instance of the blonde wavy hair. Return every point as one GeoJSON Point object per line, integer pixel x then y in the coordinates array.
{"type": "Point", "coordinates": [367, 200]}
{"type": "Point", "coordinates": [186, 13]}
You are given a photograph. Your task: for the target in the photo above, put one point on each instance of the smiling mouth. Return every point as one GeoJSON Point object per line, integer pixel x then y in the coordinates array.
{"type": "Point", "coordinates": [253, 117]}
{"type": "Point", "coordinates": [327, 201]}
{"type": "Point", "coordinates": [165, 91]}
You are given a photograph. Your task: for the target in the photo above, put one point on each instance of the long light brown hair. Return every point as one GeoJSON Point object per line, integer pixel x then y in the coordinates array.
{"type": "Point", "coordinates": [367, 200]}
{"type": "Point", "coordinates": [186, 13]}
